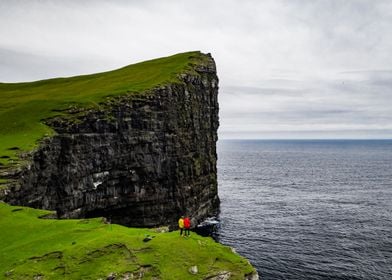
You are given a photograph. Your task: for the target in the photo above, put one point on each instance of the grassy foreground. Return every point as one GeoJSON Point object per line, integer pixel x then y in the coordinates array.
{"type": "Point", "coordinates": [23, 106]}
{"type": "Point", "coordinates": [34, 248]}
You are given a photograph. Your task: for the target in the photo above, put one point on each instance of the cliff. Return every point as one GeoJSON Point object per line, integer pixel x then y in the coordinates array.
{"type": "Point", "coordinates": [141, 153]}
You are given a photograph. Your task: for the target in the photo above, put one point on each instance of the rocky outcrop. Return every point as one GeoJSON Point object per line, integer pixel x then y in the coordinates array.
{"type": "Point", "coordinates": [141, 159]}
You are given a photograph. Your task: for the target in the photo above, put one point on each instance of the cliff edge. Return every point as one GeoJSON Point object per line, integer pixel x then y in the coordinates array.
{"type": "Point", "coordinates": [136, 145]}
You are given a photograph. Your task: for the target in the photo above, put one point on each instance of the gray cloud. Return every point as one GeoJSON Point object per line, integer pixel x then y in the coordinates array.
{"type": "Point", "coordinates": [287, 67]}
{"type": "Point", "coordinates": [349, 104]}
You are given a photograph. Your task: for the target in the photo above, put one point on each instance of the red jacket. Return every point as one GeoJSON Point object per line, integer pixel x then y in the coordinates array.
{"type": "Point", "coordinates": [187, 223]}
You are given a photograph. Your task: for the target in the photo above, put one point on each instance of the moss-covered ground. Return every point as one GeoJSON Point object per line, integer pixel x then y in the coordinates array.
{"type": "Point", "coordinates": [36, 248]}
{"type": "Point", "coordinates": [23, 106]}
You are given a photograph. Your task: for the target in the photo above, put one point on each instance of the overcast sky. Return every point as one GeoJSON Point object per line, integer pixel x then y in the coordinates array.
{"type": "Point", "coordinates": [288, 69]}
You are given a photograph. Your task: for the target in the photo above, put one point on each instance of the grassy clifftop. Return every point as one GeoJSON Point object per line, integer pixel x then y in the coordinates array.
{"type": "Point", "coordinates": [23, 106]}
{"type": "Point", "coordinates": [90, 249]}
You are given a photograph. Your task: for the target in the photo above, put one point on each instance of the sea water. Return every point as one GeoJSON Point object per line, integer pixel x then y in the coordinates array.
{"type": "Point", "coordinates": [307, 209]}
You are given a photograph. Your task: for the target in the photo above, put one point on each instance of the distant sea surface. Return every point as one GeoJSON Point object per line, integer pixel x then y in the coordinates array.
{"type": "Point", "coordinates": [307, 209]}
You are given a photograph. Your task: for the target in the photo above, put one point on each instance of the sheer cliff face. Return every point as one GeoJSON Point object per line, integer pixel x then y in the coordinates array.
{"type": "Point", "coordinates": [142, 159]}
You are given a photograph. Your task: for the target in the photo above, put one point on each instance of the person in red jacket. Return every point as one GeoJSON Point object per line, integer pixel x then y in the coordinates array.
{"type": "Point", "coordinates": [187, 226]}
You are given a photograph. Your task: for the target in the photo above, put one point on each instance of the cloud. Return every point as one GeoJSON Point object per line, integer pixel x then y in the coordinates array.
{"type": "Point", "coordinates": [24, 66]}
{"type": "Point", "coordinates": [284, 65]}
{"type": "Point", "coordinates": [340, 106]}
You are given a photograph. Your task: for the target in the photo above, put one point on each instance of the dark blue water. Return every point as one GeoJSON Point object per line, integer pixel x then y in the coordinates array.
{"type": "Point", "coordinates": [308, 209]}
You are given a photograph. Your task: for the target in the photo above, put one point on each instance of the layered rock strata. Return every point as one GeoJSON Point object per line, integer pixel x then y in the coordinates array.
{"type": "Point", "coordinates": [140, 159]}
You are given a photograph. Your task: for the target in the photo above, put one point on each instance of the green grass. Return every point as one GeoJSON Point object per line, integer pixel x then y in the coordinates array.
{"type": "Point", "coordinates": [91, 249]}
{"type": "Point", "coordinates": [23, 106]}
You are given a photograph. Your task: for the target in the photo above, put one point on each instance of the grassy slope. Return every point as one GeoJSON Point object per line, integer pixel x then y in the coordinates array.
{"type": "Point", "coordinates": [90, 249]}
{"type": "Point", "coordinates": [23, 106]}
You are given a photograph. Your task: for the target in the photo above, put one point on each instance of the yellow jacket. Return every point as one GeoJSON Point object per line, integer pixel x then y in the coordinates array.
{"type": "Point", "coordinates": [181, 223]}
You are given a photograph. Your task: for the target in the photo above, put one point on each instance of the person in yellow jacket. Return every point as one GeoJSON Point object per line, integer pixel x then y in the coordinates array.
{"type": "Point", "coordinates": [181, 224]}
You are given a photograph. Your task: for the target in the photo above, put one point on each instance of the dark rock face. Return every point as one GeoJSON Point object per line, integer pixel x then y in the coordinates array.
{"type": "Point", "coordinates": [142, 159]}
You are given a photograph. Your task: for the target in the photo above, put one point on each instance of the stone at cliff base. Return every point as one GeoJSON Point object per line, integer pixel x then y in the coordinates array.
{"type": "Point", "coordinates": [223, 275]}
{"type": "Point", "coordinates": [252, 276]}
{"type": "Point", "coordinates": [111, 276]}
{"type": "Point", "coordinates": [193, 269]}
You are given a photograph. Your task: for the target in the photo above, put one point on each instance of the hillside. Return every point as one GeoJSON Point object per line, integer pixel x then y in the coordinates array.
{"type": "Point", "coordinates": [33, 248]}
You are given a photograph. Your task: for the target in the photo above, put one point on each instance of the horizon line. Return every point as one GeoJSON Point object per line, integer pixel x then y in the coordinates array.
{"type": "Point", "coordinates": [307, 139]}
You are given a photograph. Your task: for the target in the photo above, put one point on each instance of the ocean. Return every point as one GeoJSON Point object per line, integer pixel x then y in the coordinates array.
{"type": "Point", "coordinates": [308, 209]}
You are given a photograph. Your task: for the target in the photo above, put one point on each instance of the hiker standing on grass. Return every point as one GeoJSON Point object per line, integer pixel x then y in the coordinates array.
{"type": "Point", "coordinates": [187, 226]}
{"type": "Point", "coordinates": [181, 224]}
